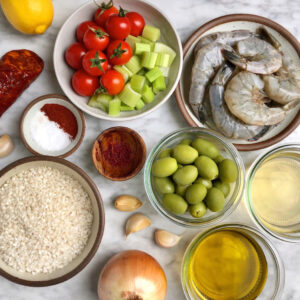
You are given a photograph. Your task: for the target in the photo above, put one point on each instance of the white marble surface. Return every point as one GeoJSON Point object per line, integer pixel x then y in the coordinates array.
{"type": "Point", "coordinates": [186, 16]}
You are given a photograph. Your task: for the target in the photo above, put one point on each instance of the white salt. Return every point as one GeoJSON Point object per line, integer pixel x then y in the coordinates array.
{"type": "Point", "coordinates": [47, 134]}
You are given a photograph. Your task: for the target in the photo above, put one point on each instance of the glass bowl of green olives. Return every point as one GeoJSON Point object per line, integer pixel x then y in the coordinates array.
{"type": "Point", "coordinates": [194, 177]}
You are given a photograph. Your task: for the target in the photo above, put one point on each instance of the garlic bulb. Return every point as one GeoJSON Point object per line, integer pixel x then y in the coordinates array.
{"type": "Point", "coordinates": [136, 223]}
{"type": "Point", "coordinates": [127, 203]}
{"type": "Point", "coordinates": [6, 145]}
{"type": "Point", "coordinates": [166, 239]}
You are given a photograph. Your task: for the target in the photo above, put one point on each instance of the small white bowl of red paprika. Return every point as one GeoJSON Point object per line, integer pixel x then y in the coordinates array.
{"type": "Point", "coordinates": [51, 125]}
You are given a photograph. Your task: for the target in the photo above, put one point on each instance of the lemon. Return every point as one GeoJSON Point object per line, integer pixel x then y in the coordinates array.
{"type": "Point", "coordinates": [28, 16]}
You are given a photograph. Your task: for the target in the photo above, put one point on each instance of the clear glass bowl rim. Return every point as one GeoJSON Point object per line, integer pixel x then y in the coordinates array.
{"type": "Point", "coordinates": [250, 175]}
{"type": "Point", "coordinates": [176, 219]}
{"type": "Point", "coordinates": [278, 261]}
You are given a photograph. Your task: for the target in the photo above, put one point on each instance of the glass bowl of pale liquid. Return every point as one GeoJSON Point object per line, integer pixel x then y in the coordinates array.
{"type": "Point", "coordinates": [273, 192]}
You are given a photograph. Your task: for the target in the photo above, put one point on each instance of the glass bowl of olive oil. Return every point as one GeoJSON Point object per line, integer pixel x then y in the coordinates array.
{"type": "Point", "coordinates": [273, 192]}
{"type": "Point", "coordinates": [232, 262]}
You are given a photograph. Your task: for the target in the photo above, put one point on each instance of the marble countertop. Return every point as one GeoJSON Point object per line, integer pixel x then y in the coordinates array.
{"type": "Point", "coordinates": [186, 16]}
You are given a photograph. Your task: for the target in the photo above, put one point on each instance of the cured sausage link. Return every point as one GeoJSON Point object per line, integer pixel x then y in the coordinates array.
{"type": "Point", "coordinates": [18, 69]}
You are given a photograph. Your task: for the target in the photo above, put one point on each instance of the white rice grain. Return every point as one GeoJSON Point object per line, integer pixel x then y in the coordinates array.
{"type": "Point", "coordinates": [45, 220]}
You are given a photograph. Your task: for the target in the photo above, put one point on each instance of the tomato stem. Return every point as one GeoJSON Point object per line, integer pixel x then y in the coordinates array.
{"type": "Point", "coordinates": [104, 6]}
{"type": "Point", "coordinates": [100, 90]}
{"type": "Point", "coordinates": [97, 61]}
{"type": "Point", "coordinates": [122, 12]}
{"type": "Point", "coordinates": [99, 33]}
{"type": "Point", "coordinates": [118, 52]}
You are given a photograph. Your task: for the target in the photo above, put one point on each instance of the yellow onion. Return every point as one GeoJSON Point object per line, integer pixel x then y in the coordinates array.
{"type": "Point", "coordinates": [132, 275]}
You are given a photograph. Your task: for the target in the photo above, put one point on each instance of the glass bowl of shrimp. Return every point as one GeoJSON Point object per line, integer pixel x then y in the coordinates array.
{"type": "Point", "coordinates": [225, 149]}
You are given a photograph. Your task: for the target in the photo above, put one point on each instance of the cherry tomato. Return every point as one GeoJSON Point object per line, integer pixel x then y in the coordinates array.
{"type": "Point", "coordinates": [82, 28]}
{"type": "Point", "coordinates": [137, 23]}
{"type": "Point", "coordinates": [74, 54]}
{"type": "Point", "coordinates": [95, 38]}
{"type": "Point", "coordinates": [112, 82]}
{"type": "Point", "coordinates": [84, 84]}
{"type": "Point", "coordinates": [118, 26]}
{"type": "Point", "coordinates": [104, 12]}
{"type": "Point", "coordinates": [94, 62]}
{"type": "Point", "coordinates": [118, 52]}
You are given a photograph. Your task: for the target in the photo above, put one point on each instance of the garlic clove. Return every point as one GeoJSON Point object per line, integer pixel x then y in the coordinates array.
{"type": "Point", "coordinates": [6, 145]}
{"type": "Point", "coordinates": [127, 203]}
{"type": "Point", "coordinates": [136, 223]}
{"type": "Point", "coordinates": [166, 239]}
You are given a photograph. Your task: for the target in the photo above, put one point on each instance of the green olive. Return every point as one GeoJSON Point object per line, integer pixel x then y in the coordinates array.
{"type": "Point", "coordinates": [180, 189]}
{"type": "Point", "coordinates": [207, 183]}
{"type": "Point", "coordinates": [228, 171]}
{"type": "Point", "coordinates": [185, 154]}
{"type": "Point", "coordinates": [223, 187]}
{"type": "Point", "coordinates": [185, 175]}
{"type": "Point", "coordinates": [198, 210]}
{"type": "Point", "coordinates": [195, 193]}
{"type": "Point", "coordinates": [219, 158]}
{"type": "Point", "coordinates": [164, 167]}
{"type": "Point", "coordinates": [164, 185]}
{"type": "Point", "coordinates": [205, 147]}
{"type": "Point", "coordinates": [185, 142]}
{"type": "Point", "coordinates": [165, 153]}
{"type": "Point", "coordinates": [174, 203]}
{"type": "Point", "coordinates": [215, 199]}
{"type": "Point", "coordinates": [207, 168]}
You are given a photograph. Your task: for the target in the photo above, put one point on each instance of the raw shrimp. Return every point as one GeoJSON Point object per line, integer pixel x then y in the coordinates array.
{"type": "Point", "coordinates": [208, 59]}
{"type": "Point", "coordinates": [245, 99]}
{"type": "Point", "coordinates": [256, 56]}
{"type": "Point", "coordinates": [227, 123]}
{"type": "Point", "coordinates": [284, 86]}
{"type": "Point", "coordinates": [224, 37]}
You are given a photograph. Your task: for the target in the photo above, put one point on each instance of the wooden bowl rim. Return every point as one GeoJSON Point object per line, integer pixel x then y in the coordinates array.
{"type": "Point", "coordinates": [141, 163]}
{"type": "Point", "coordinates": [250, 18]}
{"type": "Point", "coordinates": [100, 230]}
{"type": "Point", "coordinates": [49, 96]}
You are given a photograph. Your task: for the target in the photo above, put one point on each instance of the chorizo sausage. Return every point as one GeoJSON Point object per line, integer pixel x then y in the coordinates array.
{"type": "Point", "coordinates": [18, 69]}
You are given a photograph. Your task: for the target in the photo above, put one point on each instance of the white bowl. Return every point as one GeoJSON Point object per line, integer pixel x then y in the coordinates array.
{"type": "Point", "coordinates": [66, 37]}
{"type": "Point", "coordinates": [36, 105]}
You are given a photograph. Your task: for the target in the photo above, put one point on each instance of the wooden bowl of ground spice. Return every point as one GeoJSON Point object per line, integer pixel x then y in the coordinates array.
{"type": "Point", "coordinates": [119, 153]}
{"type": "Point", "coordinates": [51, 125]}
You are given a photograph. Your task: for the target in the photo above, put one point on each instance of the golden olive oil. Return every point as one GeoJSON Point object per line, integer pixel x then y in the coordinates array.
{"type": "Point", "coordinates": [228, 265]}
{"type": "Point", "coordinates": [275, 193]}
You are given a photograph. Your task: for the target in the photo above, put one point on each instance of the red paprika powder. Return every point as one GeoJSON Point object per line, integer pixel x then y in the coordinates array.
{"type": "Point", "coordinates": [63, 117]}
{"type": "Point", "coordinates": [118, 154]}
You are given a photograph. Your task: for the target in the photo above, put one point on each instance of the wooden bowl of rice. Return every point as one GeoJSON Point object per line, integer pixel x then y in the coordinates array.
{"type": "Point", "coordinates": [51, 221]}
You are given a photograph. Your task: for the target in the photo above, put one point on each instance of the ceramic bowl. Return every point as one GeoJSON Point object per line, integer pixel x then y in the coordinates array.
{"type": "Point", "coordinates": [76, 265]}
{"type": "Point", "coordinates": [109, 141]}
{"type": "Point", "coordinates": [226, 149]}
{"type": "Point", "coordinates": [289, 44]}
{"type": "Point", "coordinates": [66, 37]}
{"type": "Point", "coordinates": [32, 108]}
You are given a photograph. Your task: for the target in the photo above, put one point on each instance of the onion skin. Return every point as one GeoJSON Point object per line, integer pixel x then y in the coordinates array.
{"type": "Point", "coordinates": [132, 275]}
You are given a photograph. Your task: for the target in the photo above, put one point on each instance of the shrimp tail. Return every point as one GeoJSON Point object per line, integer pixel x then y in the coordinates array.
{"type": "Point", "coordinates": [291, 105]}
{"type": "Point", "coordinates": [224, 74]}
{"type": "Point", "coordinates": [268, 37]}
{"type": "Point", "coordinates": [264, 129]}
{"type": "Point", "coordinates": [236, 59]}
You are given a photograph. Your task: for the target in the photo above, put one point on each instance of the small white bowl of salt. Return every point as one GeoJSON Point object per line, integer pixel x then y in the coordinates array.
{"type": "Point", "coordinates": [51, 125]}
